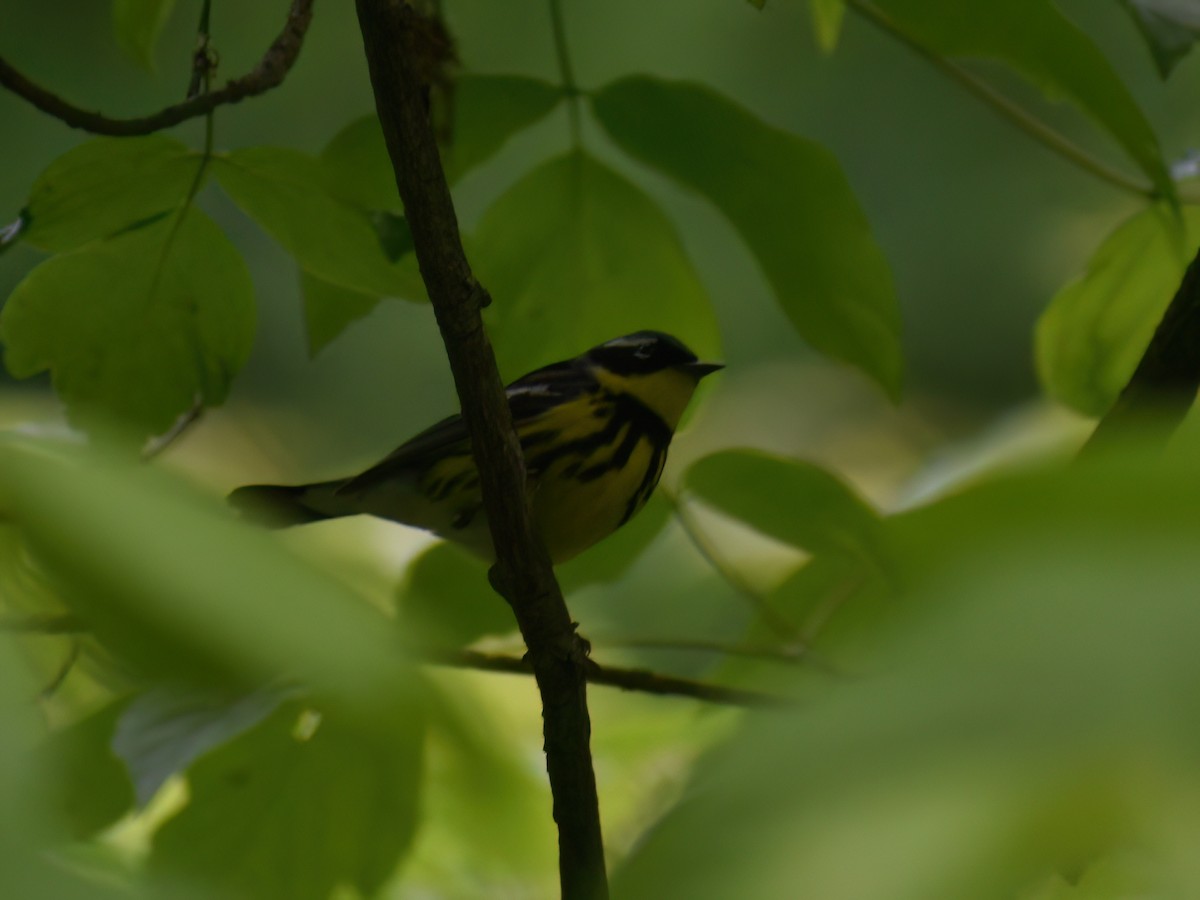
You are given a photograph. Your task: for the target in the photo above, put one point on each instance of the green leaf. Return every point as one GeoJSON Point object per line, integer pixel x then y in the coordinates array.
{"type": "Point", "coordinates": [574, 255]}
{"type": "Point", "coordinates": [138, 24]}
{"type": "Point", "coordinates": [487, 111]}
{"type": "Point", "coordinates": [1169, 27]}
{"type": "Point", "coordinates": [166, 728]}
{"type": "Point", "coordinates": [138, 327]}
{"type": "Point", "coordinates": [490, 109]}
{"type": "Point", "coordinates": [178, 589]}
{"type": "Point", "coordinates": [89, 785]}
{"type": "Point", "coordinates": [280, 814]}
{"type": "Point", "coordinates": [106, 185]}
{"type": "Point", "coordinates": [328, 309]}
{"type": "Point", "coordinates": [788, 499]}
{"type": "Point", "coordinates": [1091, 336]}
{"type": "Point", "coordinates": [827, 21]}
{"type": "Point", "coordinates": [1038, 43]}
{"type": "Point", "coordinates": [446, 598]}
{"type": "Point", "coordinates": [788, 199]}
{"type": "Point", "coordinates": [284, 191]}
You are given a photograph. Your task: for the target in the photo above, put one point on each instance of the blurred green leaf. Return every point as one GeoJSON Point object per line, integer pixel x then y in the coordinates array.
{"type": "Point", "coordinates": [276, 813]}
{"type": "Point", "coordinates": [328, 309]}
{"type": "Point", "coordinates": [89, 786]}
{"type": "Point", "coordinates": [446, 598]}
{"type": "Point", "coordinates": [788, 499]}
{"type": "Point", "coordinates": [356, 167]}
{"type": "Point", "coordinates": [1169, 27]}
{"type": "Point", "coordinates": [1038, 43]}
{"type": "Point", "coordinates": [827, 21]}
{"type": "Point", "coordinates": [1042, 654]}
{"type": "Point", "coordinates": [1091, 336]}
{"type": "Point", "coordinates": [178, 588]}
{"type": "Point", "coordinates": [106, 185]}
{"type": "Point", "coordinates": [759, 4]}
{"type": "Point", "coordinates": [575, 255]}
{"type": "Point", "coordinates": [490, 109]}
{"type": "Point", "coordinates": [283, 190]}
{"type": "Point", "coordinates": [163, 730]}
{"type": "Point", "coordinates": [138, 24]}
{"type": "Point", "coordinates": [788, 199]}
{"type": "Point", "coordinates": [487, 111]}
{"type": "Point", "coordinates": [138, 327]}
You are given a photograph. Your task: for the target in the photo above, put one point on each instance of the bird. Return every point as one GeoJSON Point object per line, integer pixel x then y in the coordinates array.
{"type": "Point", "coordinates": [594, 432]}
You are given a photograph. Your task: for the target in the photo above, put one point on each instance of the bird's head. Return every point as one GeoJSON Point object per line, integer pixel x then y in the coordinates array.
{"type": "Point", "coordinates": [656, 368]}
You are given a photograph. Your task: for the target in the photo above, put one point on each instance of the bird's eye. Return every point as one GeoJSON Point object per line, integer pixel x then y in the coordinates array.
{"type": "Point", "coordinates": [643, 352]}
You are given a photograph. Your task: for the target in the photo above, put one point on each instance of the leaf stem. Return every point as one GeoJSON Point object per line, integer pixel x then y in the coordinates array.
{"type": "Point", "coordinates": [566, 73]}
{"type": "Point", "coordinates": [1034, 127]}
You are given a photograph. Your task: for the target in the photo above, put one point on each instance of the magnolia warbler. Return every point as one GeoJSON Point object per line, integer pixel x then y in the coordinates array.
{"type": "Point", "coordinates": [594, 431]}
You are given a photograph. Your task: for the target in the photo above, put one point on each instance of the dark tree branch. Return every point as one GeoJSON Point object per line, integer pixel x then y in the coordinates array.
{"type": "Point", "coordinates": [269, 73]}
{"type": "Point", "coordinates": [398, 55]}
{"type": "Point", "coordinates": [639, 680]}
{"type": "Point", "coordinates": [1163, 387]}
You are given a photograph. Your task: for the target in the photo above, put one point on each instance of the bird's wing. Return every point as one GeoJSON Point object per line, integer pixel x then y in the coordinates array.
{"type": "Point", "coordinates": [529, 398]}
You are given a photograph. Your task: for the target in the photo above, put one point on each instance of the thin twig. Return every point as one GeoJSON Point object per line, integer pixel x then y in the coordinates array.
{"type": "Point", "coordinates": [566, 72]}
{"type": "Point", "coordinates": [638, 680]}
{"type": "Point", "coordinates": [1032, 126]}
{"type": "Point", "coordinates": [395, 37]}
{"type": "Point", "coordinates": [269, 73]}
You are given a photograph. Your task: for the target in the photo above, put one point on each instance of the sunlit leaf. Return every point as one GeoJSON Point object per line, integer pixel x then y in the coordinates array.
{"type": "Point", "coordinates": [284, 191]}
{"type": "Point", "coordinates": [138, 327]}
{"type": "Point", "coordinates": [574, 255]}
{"type": "Point", "coordinates": [138, 24]}
{"type": "Point", "coordinates": [1037, 42]}
{"type": "Point", "coordinates": [1169, 27]}
{"type": "Point", "coordinates": [106, 185]}
{"type": "Point", "coordinates": [328, 309]}
{"type": "Point", "coordinates": [277, 813]}
{"type": "Point", "coordinates": [161, 731]}
{"type": "Point", "coordinates": [790, 500]}
{"type": "Point", "coordinates": [788, 199]}
{"type": "Point", "coordinates": [89, 785]}
{"type": "Point", "coordinates": [827, 22]}
{"type": "Point", "coordinates": [1090, 338]}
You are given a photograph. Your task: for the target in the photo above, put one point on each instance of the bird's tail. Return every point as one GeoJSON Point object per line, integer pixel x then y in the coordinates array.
{"type": "Point", "coordinates": [281, 505]}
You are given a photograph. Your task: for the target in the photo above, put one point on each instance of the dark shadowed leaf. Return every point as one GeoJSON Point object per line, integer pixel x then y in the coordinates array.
{"type": "Point", "coordinates": [574, 254]}
{"type": "Point", "coordinates": [106, 185]}
{"type": "Point", "coordinates": [138, 327]}
{"type": "Point", "coordinates": [1038, 43]}
{"type": "Point", "coordinates": [1169, 27]}
{"type": "Point", "coordinates": [1090, 338]}
{"type": "Point", "coordinates": [165, 729]}
{"type": "Point", "coordinates": [284, 191]}
{"type": "Point", "coordinates": [281, 813]}
{"type": "Point", "coordinates": [89, 785]}
{"type": "Point", "coordinates": [138, 24]}
{"type": "Point", "coordinates": [490, 109]}
{"type": "Point", "coordinates": [328, 309]}
{"type": "Point", "coordinates": [788, 199]}
{"type": "Point", "coordinates": [788, 499]}
{"type": "Point", "coordinates": [446, 599]}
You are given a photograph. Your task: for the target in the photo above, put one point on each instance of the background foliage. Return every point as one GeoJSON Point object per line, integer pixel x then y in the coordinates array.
{"type": "Point", "coordinates": [991, 663]}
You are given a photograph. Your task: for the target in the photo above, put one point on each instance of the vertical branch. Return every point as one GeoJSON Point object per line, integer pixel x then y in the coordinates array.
{"type": "Point", "coordinates": [399, 61]}
{"type": "Point", "coordinates": [1164, 384]}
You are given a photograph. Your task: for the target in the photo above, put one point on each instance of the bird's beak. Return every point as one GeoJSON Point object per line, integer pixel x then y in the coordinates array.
{"type": "Point", "coordinates": [699, 369]}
